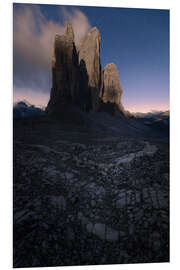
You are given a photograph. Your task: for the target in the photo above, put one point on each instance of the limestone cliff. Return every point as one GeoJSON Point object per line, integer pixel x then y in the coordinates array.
{"type": "Point", "coordinates": [77, 78]}
{"type": "Point", "coordinates": [112, 89]}
{"type": "Point", "coordinates": [89, 58]}
{"type": "Point", "coordinates": [65, 71]}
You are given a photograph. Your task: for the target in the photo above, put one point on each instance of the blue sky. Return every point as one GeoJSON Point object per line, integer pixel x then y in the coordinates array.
{"type": "Point", "coordinates": [136, 40]}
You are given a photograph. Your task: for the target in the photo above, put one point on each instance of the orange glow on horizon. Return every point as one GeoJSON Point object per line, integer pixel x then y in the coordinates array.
{"type": "Point", "coordinates": [147, 108]}
{"type": "Point", "coordinates": [40, 99]}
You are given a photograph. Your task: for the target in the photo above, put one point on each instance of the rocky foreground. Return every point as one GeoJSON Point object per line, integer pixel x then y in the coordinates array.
{"type": "Point", "coordinates": [83, 197]}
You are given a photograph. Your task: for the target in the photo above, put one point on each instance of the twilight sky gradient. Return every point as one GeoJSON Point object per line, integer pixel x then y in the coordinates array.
{"type": "Point", "coordinates": [136, 40]}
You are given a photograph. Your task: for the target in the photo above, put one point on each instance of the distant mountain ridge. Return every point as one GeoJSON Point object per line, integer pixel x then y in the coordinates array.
{"type": "Point", "coordinates": [25, 109]}
{"type": "Point", "coordinates": [158, 120]}
{"type": "Point", "coordinates": [152, 114]}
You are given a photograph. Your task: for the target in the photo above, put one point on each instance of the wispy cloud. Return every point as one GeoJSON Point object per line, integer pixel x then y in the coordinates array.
{"type": "Point", "coordinates": [33, 37]}
{"type": "Point", "coordinates": [79, 21]}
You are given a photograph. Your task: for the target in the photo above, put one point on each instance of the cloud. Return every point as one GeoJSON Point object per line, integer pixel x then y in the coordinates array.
{"type": "Point", "coordinates": [79, 22]}
{"type": "Point", "coordinates": [33, 37]}
{"type": "Point", "coordinates": [36, 98]}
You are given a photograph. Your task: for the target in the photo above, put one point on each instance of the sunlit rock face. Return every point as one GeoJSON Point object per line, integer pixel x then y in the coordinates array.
{"type": "Point", "coordinates": [69, 31]}
{"type": "Point", "coordinates": [112, 90]}
{"type": "Point", "coordinates": [89, 60]}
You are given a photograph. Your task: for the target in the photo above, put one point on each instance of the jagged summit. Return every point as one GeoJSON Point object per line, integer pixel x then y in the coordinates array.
{"type": "Point", "coordinates": [77, 77]}
{"type": "Point", "coordinates": [111, 66]}
{"type": "Point", "coordinates": [69, 30]}
{"type": "Point", "coordinates": [94, 31]}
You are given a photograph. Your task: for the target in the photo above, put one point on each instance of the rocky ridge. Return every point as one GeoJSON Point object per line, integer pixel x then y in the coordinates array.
{"type": "Point", "coordinates": [77, 78]}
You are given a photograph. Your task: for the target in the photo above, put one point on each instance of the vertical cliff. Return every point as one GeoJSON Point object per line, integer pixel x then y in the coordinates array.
{"type": "Point", "coordinates": [89, 58]}
{"type": "Point", "coordinates": [77, 78]}
{"type": "Point", "coordinates": [112, 90]}
{"type": "Point", "coordinates": [65, 71]}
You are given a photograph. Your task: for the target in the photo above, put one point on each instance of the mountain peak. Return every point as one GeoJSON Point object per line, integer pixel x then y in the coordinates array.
{"type": "Point", "coordinates": [69, 30]}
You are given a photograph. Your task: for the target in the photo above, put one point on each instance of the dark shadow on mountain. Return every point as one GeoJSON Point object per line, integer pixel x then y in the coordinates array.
{"type": "Point", "coordinates": [110, 108]}
{"type": "Point", "coordinates": [84, 98]}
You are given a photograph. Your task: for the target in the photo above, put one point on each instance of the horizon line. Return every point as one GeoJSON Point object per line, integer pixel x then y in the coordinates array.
{"type": "Point", "coordinates": [16, 100]}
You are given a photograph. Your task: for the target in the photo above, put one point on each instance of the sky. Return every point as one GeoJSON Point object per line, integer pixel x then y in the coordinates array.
{"type": "Point", "coordinates": [136, 40]}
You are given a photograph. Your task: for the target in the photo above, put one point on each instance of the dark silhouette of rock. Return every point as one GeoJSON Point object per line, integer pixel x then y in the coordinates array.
{"type": "Point", "coordinates": [65, 72]}
{"type": "Point", "coordinates": [89, 53]}
{"type": "Point", "coordinates": [112, 90]}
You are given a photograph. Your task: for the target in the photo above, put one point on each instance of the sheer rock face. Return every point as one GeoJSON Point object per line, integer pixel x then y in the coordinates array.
{"type": "Point", "coordinates": [112, 89]}
{"type": "Point", "coordinates": [89, 60]}
{"type": "Point", "coordinates": [65, 73]}
{"type": "Point", "coordinates": [77, 78]}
